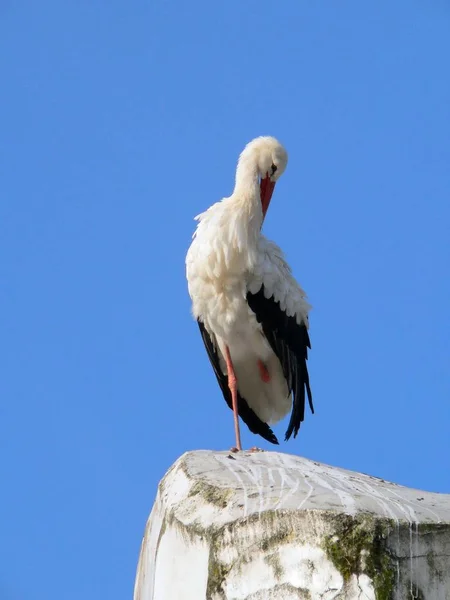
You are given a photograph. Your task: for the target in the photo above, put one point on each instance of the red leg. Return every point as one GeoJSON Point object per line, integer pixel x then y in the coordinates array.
{"type": "Point", "coordinates": [232, 384]}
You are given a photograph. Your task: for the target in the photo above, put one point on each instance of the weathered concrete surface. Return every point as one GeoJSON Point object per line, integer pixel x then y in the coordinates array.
{"type": "Point", "coordinates": [269, 526]}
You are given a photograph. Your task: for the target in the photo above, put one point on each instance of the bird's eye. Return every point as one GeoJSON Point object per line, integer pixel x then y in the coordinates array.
{"type": "Point", "coordinates": [273, 168]}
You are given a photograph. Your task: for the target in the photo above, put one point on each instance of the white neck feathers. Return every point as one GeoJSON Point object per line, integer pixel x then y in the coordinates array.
{"type": "Point", "coordinates": [246, 176]}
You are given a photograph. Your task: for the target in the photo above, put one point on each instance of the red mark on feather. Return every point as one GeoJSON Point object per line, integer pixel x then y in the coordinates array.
{"type": "Point", "coordinates": [263, 371]}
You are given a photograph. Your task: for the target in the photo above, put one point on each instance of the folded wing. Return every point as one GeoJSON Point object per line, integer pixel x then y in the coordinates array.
{"type": "Point", "coordinates": [280, 307]}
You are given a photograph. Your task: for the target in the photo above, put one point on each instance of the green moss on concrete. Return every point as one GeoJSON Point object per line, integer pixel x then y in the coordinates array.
{"type": "Point", "coordinates": [273, 560]}
{"type": "Point", "coordinates": [358, 547]}
{"type": "Point", "coordinates": [277, 528]}
{"type": "Point", "coordinates": [431, 528]}
{"type": "Point", "coordinates": [277, 531]}
{"type": "Point", "coordinates": [212, 494]}
{"type": "Point", "coordinates": [190, 532]}
{"type": "Point", "coordinates": [383, 573]}
{"type": "Point", "coordinates": [217, 572]}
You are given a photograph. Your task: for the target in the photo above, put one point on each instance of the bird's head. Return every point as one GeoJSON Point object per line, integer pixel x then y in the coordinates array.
{"type": "Point", "coordinates": [268, 158]}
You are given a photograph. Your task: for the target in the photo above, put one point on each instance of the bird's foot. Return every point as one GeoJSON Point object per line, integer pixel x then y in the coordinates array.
{"type": "Point", "coordinates": [256, 449]}
{"type": "Point", "coordinates": [253, 449]}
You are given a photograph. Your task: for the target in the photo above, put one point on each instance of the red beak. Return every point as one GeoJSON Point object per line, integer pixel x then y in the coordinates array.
{"type": "Point", "coordinates": [266, 190]}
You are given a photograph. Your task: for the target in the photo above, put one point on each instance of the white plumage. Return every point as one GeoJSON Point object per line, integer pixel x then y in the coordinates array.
{"type": "Point", "coordinates": [246, 299]}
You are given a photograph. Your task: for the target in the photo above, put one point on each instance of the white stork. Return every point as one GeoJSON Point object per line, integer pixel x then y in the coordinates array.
{"type": "Point", "coordinates": [252, 314]}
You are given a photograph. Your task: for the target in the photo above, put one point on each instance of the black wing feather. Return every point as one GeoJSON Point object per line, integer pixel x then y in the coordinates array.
{"type": "Point", "coordinates": [290, 342]}
{"type": "Point", "coordinates": [249, 417]}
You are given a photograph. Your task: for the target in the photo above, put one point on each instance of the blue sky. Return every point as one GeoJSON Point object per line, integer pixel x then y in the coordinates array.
{"type": "Point", "coordinates": [120, 122]}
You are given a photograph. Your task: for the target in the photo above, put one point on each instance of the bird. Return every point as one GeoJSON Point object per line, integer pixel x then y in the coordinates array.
{"type": "Point", "coordinates": [251, 312]}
